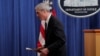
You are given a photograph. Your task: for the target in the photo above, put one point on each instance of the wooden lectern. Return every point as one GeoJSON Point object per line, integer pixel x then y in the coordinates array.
{"type": "Point", "coordinates": [92, 42]}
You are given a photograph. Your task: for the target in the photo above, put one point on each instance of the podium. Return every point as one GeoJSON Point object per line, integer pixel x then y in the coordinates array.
{"type": "Point", "coordinates": [92, 42]}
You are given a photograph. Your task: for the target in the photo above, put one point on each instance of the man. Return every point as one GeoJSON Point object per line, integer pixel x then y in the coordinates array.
{"type": "Point", "coordinates": [55, 37]}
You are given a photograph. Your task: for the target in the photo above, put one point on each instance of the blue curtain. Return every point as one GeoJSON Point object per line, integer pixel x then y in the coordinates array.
{"type": "Point", "coordinates": [19, 28]}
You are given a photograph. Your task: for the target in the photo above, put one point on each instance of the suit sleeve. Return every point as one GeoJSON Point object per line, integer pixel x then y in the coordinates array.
{"type": "Point", "coordinates": [59, 34]}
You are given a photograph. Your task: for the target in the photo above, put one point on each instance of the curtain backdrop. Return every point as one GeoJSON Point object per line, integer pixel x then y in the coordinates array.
{"type": "Point", "coordinates": [19, 28]}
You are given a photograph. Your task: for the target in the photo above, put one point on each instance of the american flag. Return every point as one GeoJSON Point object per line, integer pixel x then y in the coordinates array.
{"type": "Point", "coordinates": [41, 40]}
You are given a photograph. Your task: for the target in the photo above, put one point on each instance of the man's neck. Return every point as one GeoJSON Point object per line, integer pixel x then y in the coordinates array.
{"type": "Point", "coordinates": [48, 18]}
{"type": "Point", "coordinates": [48, 15]}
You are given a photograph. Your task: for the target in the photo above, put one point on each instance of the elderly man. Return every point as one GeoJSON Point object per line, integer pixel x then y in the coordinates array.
{"type": "Point", "coordinates": [55, 37]}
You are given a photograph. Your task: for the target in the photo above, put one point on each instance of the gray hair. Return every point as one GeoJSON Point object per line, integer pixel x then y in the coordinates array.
{"type": "Point", "coordinates": [43, 6]}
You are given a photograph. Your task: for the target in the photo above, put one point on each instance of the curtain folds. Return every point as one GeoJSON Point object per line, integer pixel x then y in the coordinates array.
{"type": "Point", "coordinates": [19, 28]}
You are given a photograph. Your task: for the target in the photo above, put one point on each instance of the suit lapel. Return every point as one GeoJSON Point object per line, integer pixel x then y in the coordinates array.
{"type": "Point", "coordinates": [49, 24]}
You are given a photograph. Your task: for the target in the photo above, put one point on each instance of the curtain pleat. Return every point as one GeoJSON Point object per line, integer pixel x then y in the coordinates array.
{"type": "Point", "coordinates": [19, 28]}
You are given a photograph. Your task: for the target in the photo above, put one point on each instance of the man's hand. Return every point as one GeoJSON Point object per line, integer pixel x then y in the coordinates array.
{"type": "Point", "coordinates": [44, 51]}
{"type": "Point", "coordinates": [38, 49]}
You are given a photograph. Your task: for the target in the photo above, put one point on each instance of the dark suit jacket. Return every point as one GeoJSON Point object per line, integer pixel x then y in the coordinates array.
{"type": "Point", "coordinates": [55, 38]}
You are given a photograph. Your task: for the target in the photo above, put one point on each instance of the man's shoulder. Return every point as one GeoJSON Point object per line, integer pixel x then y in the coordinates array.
{"type": "Point", "coordinates": [55, 19]}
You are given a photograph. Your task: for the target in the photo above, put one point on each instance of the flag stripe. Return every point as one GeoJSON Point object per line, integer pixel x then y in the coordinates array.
{"type": "Point", "coordinates": [42, 30]}
{"type": "Point", "coordinates": [42, 40]}
{"type": "Point", "coordinates": [38, 44]}
{"type": "Point", "coordinates": [53, 12]}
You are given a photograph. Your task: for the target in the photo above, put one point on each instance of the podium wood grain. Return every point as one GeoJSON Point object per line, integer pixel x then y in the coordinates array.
{"type": "Point", "coordinates": [92, 42]}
